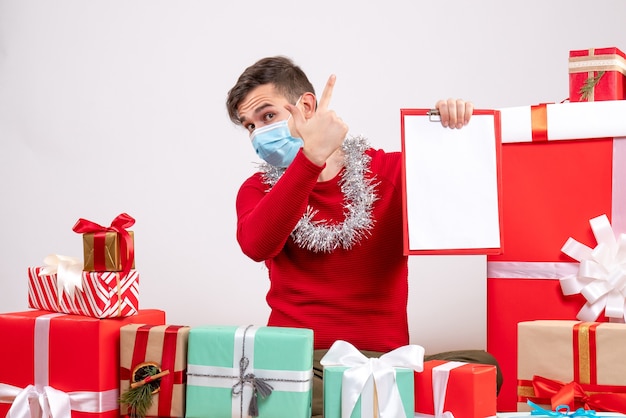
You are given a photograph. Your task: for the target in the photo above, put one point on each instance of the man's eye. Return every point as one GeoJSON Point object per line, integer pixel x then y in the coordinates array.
{"type": "Point", "coordinates": [250, 127]}
{"type": "Point", "coordinates": [269, 116]}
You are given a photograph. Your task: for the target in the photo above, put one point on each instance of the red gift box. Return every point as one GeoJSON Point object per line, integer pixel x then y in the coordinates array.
{"type": "Point", "coordinates": [163, 347]}
{"type": "Point", "coordinates": [103, 294]}
{"type": "Point", "coordinates": [597, 74]}
{"type": "Point", "coordinates": [464, 389]}
{"type": "Point", "coordinates": [64, 360]}
{"type": "Point", "coordinates": [551, 189]}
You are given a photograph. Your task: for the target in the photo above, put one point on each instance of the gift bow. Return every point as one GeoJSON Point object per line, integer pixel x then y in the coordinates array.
{"type": "Point", "coordinates": [560, 411]}
{"type": "Point", "coordinates": [381, 370]}
{"type": "Point", "coordinates": [69, 272]}
{"type": "Point", "coordinates": [601, 276]}
{"type": "Point", "coordinates": [260, 387]}
{"type": "Point", "coordinates": [573, 394]}
{"type": "Point", "coordinates": [52, 403]}
{"type": "Point", "coordinates": [48, 402]}
{"type": "Point", "coordinates": [119, 225]}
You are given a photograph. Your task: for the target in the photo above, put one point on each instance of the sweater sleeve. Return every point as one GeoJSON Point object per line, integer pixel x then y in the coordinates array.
{"type": "Point", "coordinates": [266, 218]}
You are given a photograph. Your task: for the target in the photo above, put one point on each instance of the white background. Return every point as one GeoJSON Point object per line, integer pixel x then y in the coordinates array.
{"type": "Point", "coordinates": [110, 106]}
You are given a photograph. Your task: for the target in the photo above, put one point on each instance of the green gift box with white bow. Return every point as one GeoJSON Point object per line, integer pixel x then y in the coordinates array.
{"type": "Point", "coordinates": [249, 371]}
{"type": "Point", "coordinates": [356, 386]}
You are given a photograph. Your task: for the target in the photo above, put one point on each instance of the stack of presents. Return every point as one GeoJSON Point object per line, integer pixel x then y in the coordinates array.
{"type": "Point", "coordinates": [555, 306]}
{"type": "Point", "coordinates": [86, 350]}
{"type": "Point", "coordinates": [556, 293]}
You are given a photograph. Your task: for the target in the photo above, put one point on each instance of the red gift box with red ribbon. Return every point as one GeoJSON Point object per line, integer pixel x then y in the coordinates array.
{"type": "Point", "coordinates": [100, 294]}
{"type": "Point", "coordinates": [573, 363]}
{"type": "Point", "coordinates": [597, 74]}
{"type": "Point", "coordinates": [562, 165]}
{"type": "Point", "coordinates": [56, 363]}
{"type": "Point", "coordinates": [108, 248]}
{"type": "Point", "coordinates": [150, 350]}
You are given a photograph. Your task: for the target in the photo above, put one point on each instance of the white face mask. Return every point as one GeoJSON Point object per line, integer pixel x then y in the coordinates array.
{"type": "Point", "coordinates": [275, 144]}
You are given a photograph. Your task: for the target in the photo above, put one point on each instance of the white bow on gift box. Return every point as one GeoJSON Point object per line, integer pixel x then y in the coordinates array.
{"type": "Point", "coordinates": [366, 372]}
{"type": "Point", "coordinates": [40, 399]}
{"type": "Point", "coordinates": [601, 276]}
{"type": "Point", "coordinates": [69, 272]}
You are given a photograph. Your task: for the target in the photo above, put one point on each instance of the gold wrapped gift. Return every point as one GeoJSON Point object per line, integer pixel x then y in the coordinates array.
{"type": "Point", "coordinates": [110, 251]}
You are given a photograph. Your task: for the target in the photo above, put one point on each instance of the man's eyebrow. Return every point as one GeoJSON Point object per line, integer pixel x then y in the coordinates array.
{"type": "Point", "coordinates": [256, 111]}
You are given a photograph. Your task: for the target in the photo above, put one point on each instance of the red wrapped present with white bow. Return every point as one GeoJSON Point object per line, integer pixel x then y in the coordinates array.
{"type": "Point", "coordinates": [562, 165]}
{"type": "Point", "coordinates": [57, 365]}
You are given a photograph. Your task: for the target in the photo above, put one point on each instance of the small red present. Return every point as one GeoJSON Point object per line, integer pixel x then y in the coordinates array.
{"type": "Point", "coordinates": [70, 363]}
{"type": "Point", "coordinates": [463, 389]}
{"type": "Point", "coordinates": [597, 74]}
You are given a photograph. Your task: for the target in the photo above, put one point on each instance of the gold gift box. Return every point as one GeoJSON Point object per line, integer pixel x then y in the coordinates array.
{"type": "Point", "coordinates": [112, 252]}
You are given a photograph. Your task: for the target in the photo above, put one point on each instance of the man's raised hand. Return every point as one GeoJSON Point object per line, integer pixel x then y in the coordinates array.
{"type": "Point", "coordinates": [321, 129]}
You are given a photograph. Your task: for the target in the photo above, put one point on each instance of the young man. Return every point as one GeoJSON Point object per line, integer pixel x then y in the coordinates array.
{"type": "Point", "coordinates": [325, 215]}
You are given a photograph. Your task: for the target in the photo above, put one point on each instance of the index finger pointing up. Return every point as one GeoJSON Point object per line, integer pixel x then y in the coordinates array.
{"type": "Point", "coordinates": [328, 92]}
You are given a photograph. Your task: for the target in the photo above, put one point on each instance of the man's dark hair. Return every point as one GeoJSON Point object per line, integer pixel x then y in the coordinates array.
{"type": "Point", "coordinates": [288, 79]}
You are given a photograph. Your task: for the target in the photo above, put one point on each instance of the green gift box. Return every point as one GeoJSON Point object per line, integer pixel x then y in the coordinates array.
{"type": "Point", "coordinates": [333, 376]}
{"type": "Point", "coordinates": [232, 370]}
{"type": "Point", "coordinates": [356, 386]}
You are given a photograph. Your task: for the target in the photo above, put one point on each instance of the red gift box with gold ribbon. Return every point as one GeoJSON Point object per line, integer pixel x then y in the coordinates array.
{"type": "Point", "coordinates": [573, 363]}
{"type": "Point", "coordinates": [597, 74]}
{"type": "Point", "coordinates": [562, 165]}
{"type": "Point", "coordinates": [62, 364]}
{"type": "Point", "coordinates": [148, 350]}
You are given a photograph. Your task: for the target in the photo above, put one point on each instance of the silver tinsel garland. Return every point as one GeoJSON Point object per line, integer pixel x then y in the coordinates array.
{"type": "Point", "coordinates": [359, 193]}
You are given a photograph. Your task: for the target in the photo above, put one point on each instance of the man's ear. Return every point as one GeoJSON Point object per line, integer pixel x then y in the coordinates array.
{"type": "Point", "coordinates": [309, 104]}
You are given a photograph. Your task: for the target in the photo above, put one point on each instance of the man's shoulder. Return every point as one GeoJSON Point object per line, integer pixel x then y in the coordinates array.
{"type": "Point", "coordinates": [381, 153]}
{"type": "Point", "coordinates": [386, 160]}
{"type": "Point", "coordinates": [255, 181]}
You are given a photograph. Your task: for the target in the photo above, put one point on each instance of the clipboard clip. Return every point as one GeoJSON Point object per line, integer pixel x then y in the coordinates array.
{"type": "Point", "coordinates": [433, 115]}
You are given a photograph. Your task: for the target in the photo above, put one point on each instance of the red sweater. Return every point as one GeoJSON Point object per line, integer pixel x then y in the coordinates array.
{"type": "Point", "coordinates": [358, 295]}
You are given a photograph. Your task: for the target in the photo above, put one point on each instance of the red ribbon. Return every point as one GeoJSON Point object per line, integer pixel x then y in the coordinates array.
{"type": "Point", "coordinates": [539, 122]}
{"type": "Point", "coordinates": [119, 225]}
{"type": "Point", "coordinates": [575, 396]}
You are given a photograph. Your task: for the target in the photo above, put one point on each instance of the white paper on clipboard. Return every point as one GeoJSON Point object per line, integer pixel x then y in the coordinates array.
{"type": "Point", "coordinates": [451, 179]}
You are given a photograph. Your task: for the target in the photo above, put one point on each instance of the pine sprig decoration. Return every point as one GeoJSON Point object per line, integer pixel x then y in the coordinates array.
{"type": "Point", "coordinates": [139, 396]}
{"type": "Point", "coordinates": [587, 88]}
{"type": "Point", "coordinates": [138, 399]}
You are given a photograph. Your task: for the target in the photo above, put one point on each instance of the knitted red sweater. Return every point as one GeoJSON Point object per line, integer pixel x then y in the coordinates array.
{"type": "Point", "coordinates": [358, 295]}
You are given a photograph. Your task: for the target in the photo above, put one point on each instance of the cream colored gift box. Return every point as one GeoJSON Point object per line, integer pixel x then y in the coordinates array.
{"type": "Point", "coordinates": [554, 353]}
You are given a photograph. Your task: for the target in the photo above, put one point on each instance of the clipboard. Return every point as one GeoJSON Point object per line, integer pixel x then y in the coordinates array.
{"type": "Point", "coordinates": [451, 180]}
